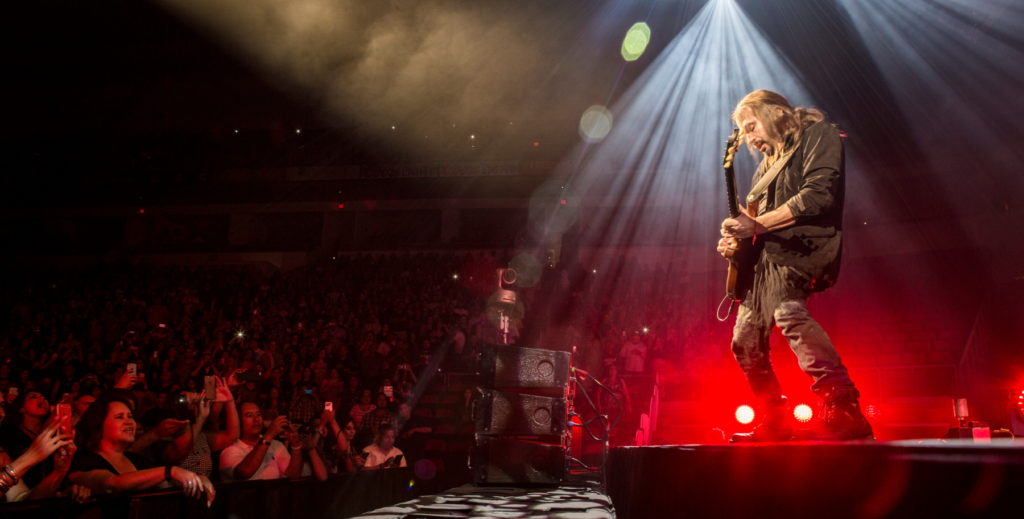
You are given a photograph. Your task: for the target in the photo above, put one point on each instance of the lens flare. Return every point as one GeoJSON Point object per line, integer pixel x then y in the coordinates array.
{"type": "Point", "coordinates": [635, 42]}
{"type": "Point", "coordinates": [595, 124]}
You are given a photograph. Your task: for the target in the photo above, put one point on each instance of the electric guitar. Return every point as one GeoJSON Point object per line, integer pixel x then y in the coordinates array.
{"type": "Point", "coordinates": [740, 277]}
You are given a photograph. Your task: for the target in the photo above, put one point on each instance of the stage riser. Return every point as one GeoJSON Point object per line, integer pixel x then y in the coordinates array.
{"type": "Point", "coordinates": [815, 480]}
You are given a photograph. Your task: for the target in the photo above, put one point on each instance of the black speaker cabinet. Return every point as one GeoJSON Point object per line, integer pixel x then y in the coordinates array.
{"type": "Point", "coordinates": [503, 461]}
{"type": "Point", "coordinates": [502, 413]}
{"type": "Point", "coordinates": [527, 368]}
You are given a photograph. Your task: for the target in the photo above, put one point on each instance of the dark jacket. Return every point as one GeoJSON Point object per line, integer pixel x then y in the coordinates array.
{"type": "Point", "coordinates": [813, 186]}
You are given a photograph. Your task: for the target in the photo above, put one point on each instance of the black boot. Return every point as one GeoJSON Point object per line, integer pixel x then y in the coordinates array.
{"type": "Point", "coordinates": [775, 427]}
{"type": "Point", "coordinates": [841, 418]}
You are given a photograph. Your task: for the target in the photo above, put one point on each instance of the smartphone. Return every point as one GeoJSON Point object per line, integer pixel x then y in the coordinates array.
{"type": "Point", "coordinates": [132, 369]}
{"type": "Point", "coordinates": [64, 418]}
{"type": "Point", "coordinates": [329, 406]}
{"type": "Point", "coordinates": [210, 384]}
{"type": "Point", "coordinates": [308, 391]}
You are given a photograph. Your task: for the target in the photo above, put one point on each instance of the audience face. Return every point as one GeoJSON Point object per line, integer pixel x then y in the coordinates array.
{"type": "Point", "coordinates": [350, 430]}
{"type": "Point", "coordinates": [366, 397]}
{"type": "Point", "coordinates": [119, 425]}
{"type": "Point", "coordinates": [386, 440]}
{"type": "Point", "coordinates": [382, 401]}
{"type": "Point", "coordinates": [252, 420]}
{"type": "Point", "coordinates": [35, 405]}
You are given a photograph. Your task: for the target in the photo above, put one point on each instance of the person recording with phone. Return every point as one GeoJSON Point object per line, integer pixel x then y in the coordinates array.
{"type": "Point", "coordinates": [258, 455]}
{"type": "Point", "coordinates": [194, 447]}
{"type": "Point", "coordinates": [345, 456]}
{"type": "Point", "coordinates": [57, 438]}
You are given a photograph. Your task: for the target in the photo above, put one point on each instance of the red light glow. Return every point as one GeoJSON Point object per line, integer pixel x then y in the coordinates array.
{"type": "Point", "coordinates": [341, 205]}
{"type": "Point", "coordinates": [744, 414]}
{"type": "Point", "coordinates": [871, 410]}
{"type": "Point", "coordinates": [803, 413]}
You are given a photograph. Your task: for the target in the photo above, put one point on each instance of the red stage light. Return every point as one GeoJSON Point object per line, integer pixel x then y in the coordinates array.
{"type": "Point", "coordinates": [142, 211]}
{"type": "Point", "coordinates": [803, 413]}
{"type": "Point", "coordinates": [744, 414]}
{"type": "Point", "coordinates": [871, 410]}
{"type": "Point", "coordinates": [563, 201]}
{"type": "Point", "coordinates": [341, 205]}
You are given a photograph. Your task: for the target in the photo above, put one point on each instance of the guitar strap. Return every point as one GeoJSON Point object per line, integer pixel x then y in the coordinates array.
{"type": "Point", "coordinates": [769, 176]}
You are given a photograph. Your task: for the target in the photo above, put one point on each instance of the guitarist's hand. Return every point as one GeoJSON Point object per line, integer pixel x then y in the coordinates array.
{"type": "Point", "coordinates": [726, 246]}
{"type": "Point", "coordinates": [740, 227]}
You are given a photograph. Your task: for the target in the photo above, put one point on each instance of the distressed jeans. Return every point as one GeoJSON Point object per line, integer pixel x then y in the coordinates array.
{"type": "Point", "coordinates": [808, 340]}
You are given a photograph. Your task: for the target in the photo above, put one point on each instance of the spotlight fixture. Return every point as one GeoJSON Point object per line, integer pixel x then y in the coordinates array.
{"type": "Point", "coordinates": [803, 413]}
{"type": "Point", "coordinates": [744, 414]}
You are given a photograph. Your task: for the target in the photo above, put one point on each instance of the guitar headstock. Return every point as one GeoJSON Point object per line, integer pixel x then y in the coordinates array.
{"type": "Point", "coordinates": [731, 145]}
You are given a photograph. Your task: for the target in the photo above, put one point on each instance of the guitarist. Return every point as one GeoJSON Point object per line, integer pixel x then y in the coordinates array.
{"type": "Point", "coordinates": [798, 190]}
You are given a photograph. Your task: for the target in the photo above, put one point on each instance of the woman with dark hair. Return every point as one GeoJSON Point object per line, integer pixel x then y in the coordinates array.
{"type": "Point", "coordinates": [25, 421]}
{"type": "Point", "coordinates": [50, 440]}
{"type": "Point", "coordinates": [104, 434]}
{"type": "Point", "coordinates": [345, 455]}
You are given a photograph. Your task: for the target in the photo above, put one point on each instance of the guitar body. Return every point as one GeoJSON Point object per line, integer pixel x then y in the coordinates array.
{"type": "Point", "coordinates": [739, 278]}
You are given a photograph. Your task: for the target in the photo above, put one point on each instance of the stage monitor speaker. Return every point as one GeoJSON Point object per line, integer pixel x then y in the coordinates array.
{"type": "Point", "coordinates": [502, 413]}
{"type": "Point", "coordinates": [503, 461]}
{"type": "Point", "coordinates": [528, 368]}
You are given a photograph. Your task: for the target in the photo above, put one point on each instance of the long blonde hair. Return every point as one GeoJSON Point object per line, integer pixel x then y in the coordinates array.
{"type": "Point", "coordinates": [784, 125]}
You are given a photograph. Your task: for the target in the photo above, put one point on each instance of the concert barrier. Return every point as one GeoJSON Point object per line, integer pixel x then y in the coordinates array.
{"type": "Point", "coordinates": [342, 495]}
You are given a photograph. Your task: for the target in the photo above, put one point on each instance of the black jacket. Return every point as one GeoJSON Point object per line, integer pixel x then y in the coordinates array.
{"type": "Point", "coordinates": [813, 186]}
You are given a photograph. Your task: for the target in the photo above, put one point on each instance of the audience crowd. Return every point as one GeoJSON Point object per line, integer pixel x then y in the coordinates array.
{"type": "Point", "coordinates": [141, 377]}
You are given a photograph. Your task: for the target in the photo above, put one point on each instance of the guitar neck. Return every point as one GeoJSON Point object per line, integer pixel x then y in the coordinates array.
{"type": "Point", "coordinates": [730, 188]}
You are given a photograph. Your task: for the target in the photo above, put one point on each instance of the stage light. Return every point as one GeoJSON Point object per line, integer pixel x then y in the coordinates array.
{"type": "Point", "coordinates": [142, 211]}
{"type": "Point", "coordinates": [744, 414]}
{"type": "Point", "coordinates": [472, 137]}
{"type": "Point", "coordinates": [536, 144]}
{"type": "Point", "coordinates": [240, 334]}
{"type": "Point", "coordinates": [803, 413]}
{"type": "Point", "coordinates": [872, 411]}
{"type": "Point", "coordinates": [646, 329]}
{"type": "Point", "coordinates": [635, 42]}
{"type": "Point", "coordinates": [341, 205]}
{"type": "Point", "coordinates": [666, 138]}
{"type": "Point", "coordinates": [455, 277]}
{"type": "Point", "coordinates": [595, 123]}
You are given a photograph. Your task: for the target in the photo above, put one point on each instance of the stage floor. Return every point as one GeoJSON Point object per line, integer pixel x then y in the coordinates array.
{"type": "Point", "coordinates": [564, 502]}
{"type": "Point", "coordinates": [924, 478]}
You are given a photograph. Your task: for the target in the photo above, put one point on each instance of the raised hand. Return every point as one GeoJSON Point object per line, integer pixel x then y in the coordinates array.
{"type": "Point", "coordinates": [47, 442]}
{"type": "Point", "coordinates": [223, 391]}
